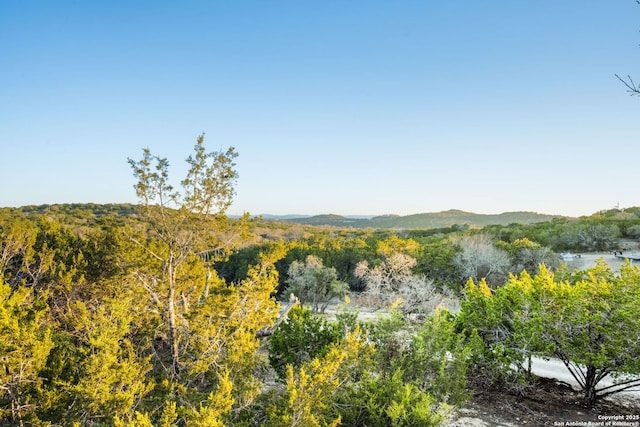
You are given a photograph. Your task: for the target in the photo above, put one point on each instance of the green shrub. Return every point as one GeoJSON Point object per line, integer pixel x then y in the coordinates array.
{"type": "Point", "coordinates": [302, 337]}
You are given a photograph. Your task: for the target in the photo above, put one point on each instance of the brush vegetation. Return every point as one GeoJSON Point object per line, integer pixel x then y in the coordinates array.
{"type": "Point", "coordinates": [169, 313]}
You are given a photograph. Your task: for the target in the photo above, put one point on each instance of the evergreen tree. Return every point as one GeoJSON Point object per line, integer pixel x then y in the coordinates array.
{"type": "Point", "coordinates": [204, 329]}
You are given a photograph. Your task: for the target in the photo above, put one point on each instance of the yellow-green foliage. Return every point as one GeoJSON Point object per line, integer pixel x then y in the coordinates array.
{"type": "Point", "coordinates": [311, 388]}
{"type": "Point", "coordinates": [220, 331]}
{"type": "Point", "coordinates": [167, 419]}
{"type": "Point", "coordinates": [25, 343]}
{"type": "Point", "coordinates": [395, 244]}
{"type": "Point", "coordinates": [588, 320]}
{"type": "Point", "coordinates": [203, 325]}
{"type": "Point", "coordinates": [217, 406]}
{"type": "Point", "coordinates": [112, 376]}
{"type": "Point", "coordinates": [412, 406]}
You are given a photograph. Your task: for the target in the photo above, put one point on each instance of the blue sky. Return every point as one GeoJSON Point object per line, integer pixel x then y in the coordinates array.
{"type": "Point", "coordinates": [345, 107]}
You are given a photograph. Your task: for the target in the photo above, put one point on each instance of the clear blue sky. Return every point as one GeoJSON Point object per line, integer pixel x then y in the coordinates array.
{"type": "Point", "coordinates": [345, 107]}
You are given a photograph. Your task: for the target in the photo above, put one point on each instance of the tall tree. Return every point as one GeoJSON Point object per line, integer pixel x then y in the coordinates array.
{"type": "Point", "coordinates": [204, 330]}
{"type": "Point", "coordinates": [180, 223]}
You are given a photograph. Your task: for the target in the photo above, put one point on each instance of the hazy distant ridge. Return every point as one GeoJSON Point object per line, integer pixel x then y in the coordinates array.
{"type": "Point", "coordinates": [83, 212]}
{"type": "Point", "coordinates": [425, 220]}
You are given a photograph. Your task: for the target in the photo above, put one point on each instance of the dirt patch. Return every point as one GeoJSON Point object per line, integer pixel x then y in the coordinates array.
{"type": "Point", "coordinates": [549, 404]}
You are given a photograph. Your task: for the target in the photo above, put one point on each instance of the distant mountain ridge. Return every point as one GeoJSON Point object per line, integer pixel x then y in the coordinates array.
{"type": "Point", "coordinates": [85, 213]}
{"type": "Point", "coordinates": [425, 220]}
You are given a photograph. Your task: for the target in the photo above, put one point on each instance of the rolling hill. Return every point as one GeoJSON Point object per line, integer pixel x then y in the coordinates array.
{"type": "Point", "coordinates": [425, 220]}
{"type": "Point", "coordinates": [88, 213]}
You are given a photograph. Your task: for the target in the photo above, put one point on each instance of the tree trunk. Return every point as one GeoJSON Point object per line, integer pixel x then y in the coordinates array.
{"type": "Point", "coordinates": [171, 314]}
{"type": "Point", "coordinates": [590, 386]}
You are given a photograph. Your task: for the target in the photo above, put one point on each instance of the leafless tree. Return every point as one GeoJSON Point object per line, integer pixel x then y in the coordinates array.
{"type": "Point", "coordinates": [481, 259]}
{"type": "Point", "coordinates": [393, 280]}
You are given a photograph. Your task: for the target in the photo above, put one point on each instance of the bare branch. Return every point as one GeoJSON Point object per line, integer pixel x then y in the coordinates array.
{"type": "Point", "coordinates": [145, 248]}
{"type": "Point", "coordinates": [632, 87]}
{"type": "Point", "coordinates": [620, 386]}
{"type": "Point", "coordinates": [269, 330]}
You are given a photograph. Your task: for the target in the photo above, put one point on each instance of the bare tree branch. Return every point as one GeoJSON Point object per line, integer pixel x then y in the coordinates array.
{"type": "Point", "coordinates": [269, 330]}
{"type": "Point", "coordinates": [632, 87]}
